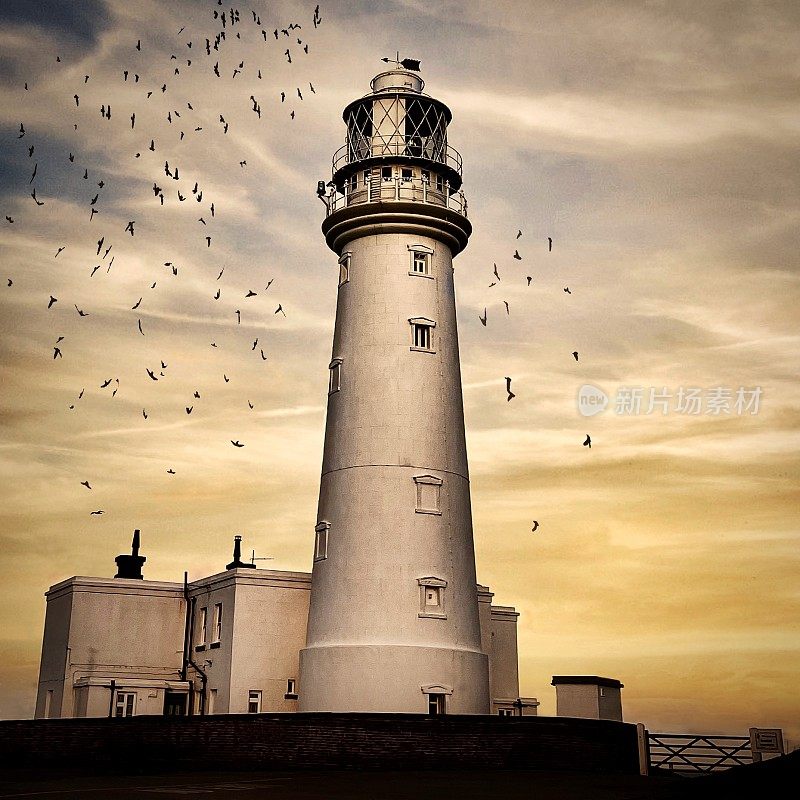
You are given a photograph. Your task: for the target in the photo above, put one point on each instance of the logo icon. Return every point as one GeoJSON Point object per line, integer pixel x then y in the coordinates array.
{"type": "Point", "coordinates": [591, 400]}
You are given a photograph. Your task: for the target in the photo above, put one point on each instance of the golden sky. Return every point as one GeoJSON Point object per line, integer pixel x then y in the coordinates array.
{"type": "Point", "coordinates": [656, 143]}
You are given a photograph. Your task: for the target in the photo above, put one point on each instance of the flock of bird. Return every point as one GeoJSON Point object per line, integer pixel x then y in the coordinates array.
{"type": "Point", "coordinates": [228, 28]}
{"type": "Point", "coordinates": [587, 442]}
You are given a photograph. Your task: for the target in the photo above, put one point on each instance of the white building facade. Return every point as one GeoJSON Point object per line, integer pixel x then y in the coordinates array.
{"type": "Point", "coordinates": [391, 618]}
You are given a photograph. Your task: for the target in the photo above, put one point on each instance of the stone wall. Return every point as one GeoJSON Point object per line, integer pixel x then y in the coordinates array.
{"type": "Point", "coordinates": [320, 740]}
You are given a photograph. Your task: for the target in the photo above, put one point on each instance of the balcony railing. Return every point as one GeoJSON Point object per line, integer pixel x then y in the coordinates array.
{"type": "Point", "coordinates": [427, 147]}
{"type": "Point", "coordinates": [396, 190]}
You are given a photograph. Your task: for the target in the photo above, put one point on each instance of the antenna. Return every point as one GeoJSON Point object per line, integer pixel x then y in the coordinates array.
{"type": "Point", "coordinates": [253, 558]}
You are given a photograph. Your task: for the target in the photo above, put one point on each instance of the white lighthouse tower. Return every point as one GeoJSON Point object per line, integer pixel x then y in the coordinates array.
{"type": "Point", "coordinates": [393, 622]}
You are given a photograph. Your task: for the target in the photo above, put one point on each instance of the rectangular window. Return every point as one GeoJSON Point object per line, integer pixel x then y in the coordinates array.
{"type": "Point", "coordinates": [48, 703]}
{"type": "Point", "coordinates": [386, 173]}
{"type": "Point", "coordinates": [440, 183]}
{"type": "Point", "coordinates": [420, 263]}
{"type": "Point", "coordinates": [406, 175]}
{"type": "Point", "coordinates": [335, 378]}
{"type": "Point", "coordinates": [422, 336]}
{"type": "Point", "coordinates": [321, 541]}
{"type": "Point", "coordinates": [353, 182]}
{"type": "Point", "coordinates": [201, 626]}
{"type": "Point", "coordinates": [367, 174]}
{"type": "Point", "coordinates": [291, 689]}
{"type": "Point", "coordinates": [436, 703]}
{"type": "Point", "coordinates": [426, 176]}
{"type": "Point", "coordinates": [254, 701]}
{"type": "Point", "coordinates": [212, 701]}
{"type": "Point", "coordinates": [125, 704]}
{"type": "Point", "coordinates": [218, 622]}
{"type": "Point", "coordinates": [505, 712]}
{"type": "Point", "coordinates": [344, 268]}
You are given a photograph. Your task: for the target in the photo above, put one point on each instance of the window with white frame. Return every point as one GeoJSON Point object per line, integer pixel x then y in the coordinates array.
{"type": "Point", "coordinates": [321, 540]}
{"type": "Point", "coordinates": [367, 175]}
{"type": "Point", "coordinates": [344, 268]}
{"type": "Point", "coordinates": [505, 712]}
{"type": "Point", "coordinates": [426, 176]}
{"type": "Point", "coordinates": [422, 334]}
{"type": "Point", "coordinates": [291, 689]}
{"type": "Point", "coordinates": [431, 598]}
{"type": "Point", "coordinates": [125, 704]}
{"type": "Point", "coordinates": [436, 698]}
{"type": "Point", "coordinates": [254, 701]}
{"type": "Point", "coordinates": [217, 622]}
{"type": "Point", "coordinates": [429, 494]}
{"type": "Point", "coordinates": [421, 256]}
{"type": "Point", "coordinates": [335, 378]}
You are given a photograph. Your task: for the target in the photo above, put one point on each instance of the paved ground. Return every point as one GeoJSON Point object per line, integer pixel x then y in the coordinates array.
{"type": "Point", "coordinates": [510, 785]}
{"type": "Point", "coordinates": [752, 782]}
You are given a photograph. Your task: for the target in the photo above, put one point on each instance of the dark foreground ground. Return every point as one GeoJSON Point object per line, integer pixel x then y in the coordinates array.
{"type": "Point", "coordinates": [751, 782]}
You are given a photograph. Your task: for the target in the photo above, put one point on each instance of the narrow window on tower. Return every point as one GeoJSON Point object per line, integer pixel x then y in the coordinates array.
{"type": "Point", "coordinates": [353, 182]}
{"type": "Point", "coordinates": [426, 176]}
{"type": "Point", "coordinates": [406, 175]}
{"type": "Point", "coordinates": [291, 689]}
{"type": "Point", "coordinates": [344, 268]}
{"type": "Point", "coordinates": [436, 698]}
{"type": "Point", "coordinates": [431, 598]}
{"type": "Point", "coordinates": [420, 260]}
{"type": "Point", "coordinates": [440, 183]}
{"type": "Point", "coordinates": [335, 379]}
{"type": "Point", "coordinates": [429, 494]}
{"type": "Point", "coordinates": [321, 541]}
{"type": "Point", "coordinates": [201, 629]}
{"type": "Point", "coordinates": [422, 334]}
{"type": "Point", "coordinates": [386, 173]}
{"type": "Point", "coordinates": [367, 174]}
{"type": "Point", "coordinates": [217, 624]}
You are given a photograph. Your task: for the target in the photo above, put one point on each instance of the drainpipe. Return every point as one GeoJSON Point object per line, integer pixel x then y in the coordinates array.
{"type": "Point", "coordinates": [186, 627]}
{"type": "Point", "coordinates": [203, 677]}
{"type": "Point", "coordinates": [113, 687]}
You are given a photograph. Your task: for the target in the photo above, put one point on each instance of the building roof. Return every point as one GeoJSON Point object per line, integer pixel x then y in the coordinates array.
{"type": "Point", "coordinates": [593, 680]}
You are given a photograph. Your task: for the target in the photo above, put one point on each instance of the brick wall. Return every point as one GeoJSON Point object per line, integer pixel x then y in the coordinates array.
{"type": "Point", "coordinates": [314, 741]}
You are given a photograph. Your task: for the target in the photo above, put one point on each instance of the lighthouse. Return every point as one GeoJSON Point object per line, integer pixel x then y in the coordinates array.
{"type": "Point", "coordinates": [393, 622]}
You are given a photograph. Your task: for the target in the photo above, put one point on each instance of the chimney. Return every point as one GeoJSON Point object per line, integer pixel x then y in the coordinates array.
{"type": "Point", "coordinates": [130, 566]}
{"type": "Point", "coordinates": [237, 562]}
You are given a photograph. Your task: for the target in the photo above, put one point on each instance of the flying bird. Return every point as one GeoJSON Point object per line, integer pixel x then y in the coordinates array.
{"type": "Point", "coordinates": [81, 312]}
{"type": "Point", "coordinates": [106, 383]}
{"type": "Point", "coordinates": [189, 409]}
{"type": "Point", "coordinates": [519, 233]}
{"type": "Point", "coordinates": [517, 255]}
{"type": "Point", "coordinates": [52, 301]}
{"type": "Point", "coordinates": [280, 308]}
{"type": "Point", "coordinates": [96, 513]}
{"type": "Point", "coordinates": [549, 244]}
{"type": "Point", "coordinates": [535, 526]}
{"type": "Point", "coordinates": [529, 279]}
{"type": "Point", "coordinates": [505, 303]}
{"type": "Point", "coordinates": [170, 472]}
{"type": "Point", "coordinates": [483, 318]}
{"type": "Point", "coordinates": [237, 443]}
{"type": "Point", "coordinates": [495, 272]}
{"type": "Point", "coordinates": [35, 200]}
{"type": "Point", "coordinates": [508, 389]}
{"type": "Point", "coordinates": [575, 354]}
{"type": "Point", "coordinates": [566, 289]}
{"type": "Point", "coordinates": [151, 374]}
{"type": "Point", "coordinates": [138, 303]}
{"type": "Point", "coordinates": [588, 441]}
{"type": "Point", "coordinates": [86, 484]}
{"type": "Point", "coordinates": [60, 250]}
{"type": "Point", "coordinates": [139, 325]}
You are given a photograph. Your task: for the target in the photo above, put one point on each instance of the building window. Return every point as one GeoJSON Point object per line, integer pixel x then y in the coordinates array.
{"type": "Point", "coordinates": [367, 174]}
{"type": "Point", "coordinates": [201, 627]}
{"type": "Point", "coordinates": [353, 182]}
{"type": "Point", "coordinates": [505, 712]}
{"type": "Point", "coordinates": [344, 268]}
{"type": "Point", "coordinates": [429, 494]}
{"type": "Point", "coordinates": [386, 173]}
{"type": "Point", "coordinates": [321, 541]}
{"type": "Point", "coordinates": [420, 264]}
{"type": "Point", "coordinates": [48, 703]}
{"type": "Point", "coordinates": [437, 703]}
{"type": "Point", "coordinates": [406, 175]}
{"type": "Point", "coordinates": [291, 689]}
{"type": "Point", "coordinates": [422, 334]}
{"type": "Point", "coordinates": [254, 701]}
{"type": "Point", "coordinates": [218, 622]}
{"type": "Point", "coordinates": [426, 176]}
{"type": "Point", "coordinates": [431, 598]}
{"type": "Point", "coordinates": [439, 183]}
{"type": "Point", "coordinates": [125, 704]}
{"type": "Point", "coordinates": [212, 701]}
{"type": "Point", "coordinates": [335, 378]}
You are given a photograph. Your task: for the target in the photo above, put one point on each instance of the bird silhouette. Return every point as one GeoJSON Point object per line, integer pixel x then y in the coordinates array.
{"type": "Point", "coordinates": [144, 413]}
{"type": "Point", "coordinates": [170, 472]}
{"type": "Point", "coordinates": [81, 312]}
{"type": "Point", "coordinates": [535, 526]}
{"type": "Point", "coordinates": [37, 201]}
{"type": "Point", "coordinates": [566, 289]}
{"type": "Point", "coordinates": [151, 374]}
{"type": "Point", "coordinates": [575, 354]}
{"type": "Point", "coordinates": [483, 318]}
{"type": "Point", "coordinates": [508, 389]}
{"type": "Point", "coordinates": [505, 303]}
{"type": "Point", "coordinates": [517, 255]}
{"type": "Point", "coordinates": [236, 443]}
{"type": "Point", "coordinates": [529, 279]}
{"type": "Point", "coordinates": [52, 301]}
{"type": "Point", "coordinates": [549, 244]}
{"type": "Point", "coordinates": [138, 303]}
{"type": "Point", "coordinates": [189, 409]}
{"type": "Point", "coordinates": [280, 309]}
{"type": "Point", "coordinates": [96, 513]}
{"type": "Point", "coordinates": [519, 233]}
{"type": "Point", "coordinates": [86, 484]}
{"type": "Point", "coordinates": [495, 272]}
{"type": "Point", "coordinates": [106, 383]}
{"type": "Point", "coordinates": [588, 441]}
{"type": "Point", "coordinates": [139, 325]}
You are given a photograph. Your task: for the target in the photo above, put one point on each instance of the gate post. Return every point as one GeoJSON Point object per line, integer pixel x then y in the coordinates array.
{"type": "Point", "coordinates": [642, 736]}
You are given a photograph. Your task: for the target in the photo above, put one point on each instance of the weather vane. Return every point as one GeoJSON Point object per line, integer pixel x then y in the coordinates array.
{"type": "Point", "coordinates": [406, 63]}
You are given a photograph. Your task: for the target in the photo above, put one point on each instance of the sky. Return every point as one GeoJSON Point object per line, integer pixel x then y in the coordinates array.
{"type": "Point", "coordinates": [656, 145]}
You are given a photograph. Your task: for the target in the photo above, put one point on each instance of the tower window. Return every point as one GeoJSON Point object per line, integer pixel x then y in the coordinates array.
{"type": "Point", "coordinates": [291, 689]}
{"type": "Point", "coordinates": [437, 703]}
{"type": "Point", "coordinates": [321, 541]}
{"type": "Point", "coordinates": [335, 378]}
{"type": "Point", "coordinates": [367, 174]}
{"type": "Point", "coordinates": [344, 268]}
{"type": "Point", "coordinates": [420, 259]}
{"type": "Point", "coordinates": [254, 701]}
{"type": "Point", "coordinates": [422, 334]}
{"type": "Point", "coordinates": [426, 176]}
{"type": "Point", "coordinates": [353, 182]}
{"type": "Point", "coordinates": [386, 173]}
{"type": "Point", "coordinates": [431, 598]}
{"type": "Point", "coordinates": [440, 183]}
{"type": "Point", "coordinates": [125, 704]}
{"type": "Point", "coordinates": [201, 627]}
{"type": "Point", "coordinates": [429, 492]}
{"type": "Point", "coordinates": [406, 175]}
